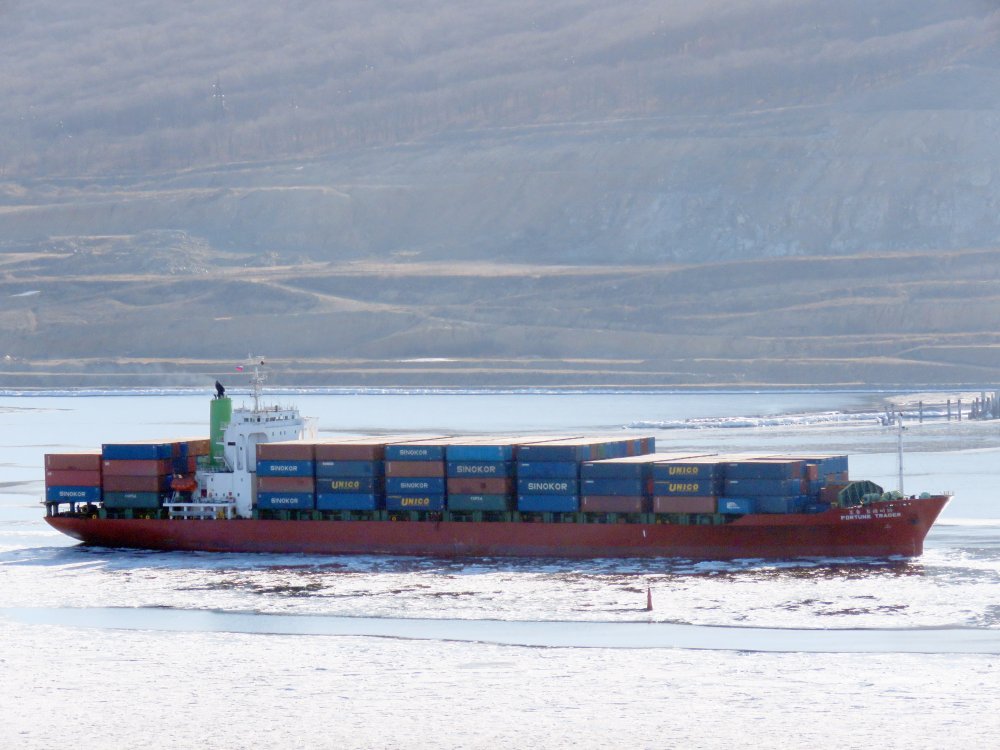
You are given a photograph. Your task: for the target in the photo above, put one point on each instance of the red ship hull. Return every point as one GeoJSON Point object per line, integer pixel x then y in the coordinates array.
{"type": "Point", "coordinates": [882, 529]}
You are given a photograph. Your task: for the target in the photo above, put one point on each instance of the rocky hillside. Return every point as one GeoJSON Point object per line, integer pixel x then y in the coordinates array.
{"type": "Point", "coordinates": [732, 191]}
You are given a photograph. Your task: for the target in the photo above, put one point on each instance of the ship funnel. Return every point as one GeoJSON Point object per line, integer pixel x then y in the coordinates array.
{"type": "Point", "coordinates": [221, 416]}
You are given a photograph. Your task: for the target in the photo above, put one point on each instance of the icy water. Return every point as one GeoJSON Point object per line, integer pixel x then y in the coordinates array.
{"type": "Point", "coordinates": [109, 649]}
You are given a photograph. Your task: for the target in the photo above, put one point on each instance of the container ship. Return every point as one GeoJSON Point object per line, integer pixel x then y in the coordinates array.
{"type": "Point", "coordinates": [261, 482]}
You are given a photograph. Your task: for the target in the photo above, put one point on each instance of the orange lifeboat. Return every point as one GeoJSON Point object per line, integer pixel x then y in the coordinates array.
{"type": "Point", "coordinates": [183, 484]}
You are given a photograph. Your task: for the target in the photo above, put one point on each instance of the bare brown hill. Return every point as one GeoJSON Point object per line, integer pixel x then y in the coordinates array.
{"type": "Point", "coordinates": [826, 321]}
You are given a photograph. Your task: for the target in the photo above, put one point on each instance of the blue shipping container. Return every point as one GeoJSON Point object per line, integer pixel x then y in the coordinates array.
{"type": "Point", "coordinates": [348, 501]}
{"type": "Point", "coordinates": [275, 468]}
{"type": "Point", "coordinates": [350, 468]}
{"type": "Point", "coordinates": [415, 485]}
{"type": "Point", "coordinates": [548, 503]}
{"type": "Point", "coordinates": [73, 494]}
{"type": "Point", "coordinates": [829, 464]}
{"type": "Point", "coordinates": [414, 452]}
{"type": "Point", "coordinates": [414, 502]}
{"type": "Point", "coordinates": [680, 471]}
{"type": "Point", "coordinates": [286, 500]}
{"type": "Point", "coordinates": [742, 505]}
{"type": "Point", "coordinates": [548, 469]}
{"type": "Point", "coordinates": [584, 450]}
{"type": "Point", "coordinates": [489, 453]}
{"type": "Point", "coordinates": [791, 469]}
{"type": "Point", "coordinates": [350, 485]}
{"type": "Point", "coordinates": [613, 470]}
{"type": "Point", "coordinates": [532, 486]}
{"type": "Point", "coordinates": [630, 487]}
{"type": "Point", "coordinates": [136, 451]}
{"type": "Point", "coordinates": [682, 487]}
{"type": "Point", "coordinates": [483, 469]}
{"type": "Point", "coordinates": [755, 487]}
{"type": "Point", "coordinates": [773, 504]}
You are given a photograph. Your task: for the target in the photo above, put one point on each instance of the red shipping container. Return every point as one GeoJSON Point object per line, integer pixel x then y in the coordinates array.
{"type": "Point", "coordinates": [72, 478]}
{"type": "Point", "coordinates": [135, 484]}
{"type": "Point", "coordinates": [350, 451]}
{"type": "Point", "coordinates": [613, 504]}
{"type": "Point", "coordinates": [685, 504]}
{"type": "Point", "coordinates": [812, 472]}
{"type": "Point", "coordinates": [88, 461]}
{"type": "Point", "coordinates": [286, 484]}
{"type": "Point", "coordinates": [414, 468]}
{"type": "Point", "coordinates": [477, 486]}
{"type": "Point", "coordinates": [142, 467]}
{"type": "Point", "coordinates": [197, 446]}
{"type": "Point", "coordinates": [829, 493]}
{"type": "Point", "coordinates": [286, 451]}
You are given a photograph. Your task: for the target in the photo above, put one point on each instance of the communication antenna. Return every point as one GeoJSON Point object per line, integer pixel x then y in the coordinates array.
{"type": "Point", "coordinates": [899, 450]}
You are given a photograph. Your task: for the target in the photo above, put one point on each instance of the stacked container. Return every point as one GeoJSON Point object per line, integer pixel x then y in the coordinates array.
{"type": "Point", "coordinates": [616, 485]}
{"type": "Point", "coordinates": [286, 476]}
{"type": "Point", "coordinates": [415, 475]}
{"type": "Point", "coordinates": [350, 474]}
{"type": "Point", "coordinates": [548, 473]}
{"type": "Point", "coordinates": [137, 475]}
{"type": "Point", "coordinates": [765, 485]}
{"type": "Point", "coordinates": [620, 485]}
{"type": "Point", "coordinates": [825, 474]}
{"type": "Point", "coordinates": [73, 477]}
{"type": "Point", "coordinates": [188, 453]}
{"type": "Point", "coordinates": [481, 474]}
{"type": "Point", "coordinates": [688, 485]}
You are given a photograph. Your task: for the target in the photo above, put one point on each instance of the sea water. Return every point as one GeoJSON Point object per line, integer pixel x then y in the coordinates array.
{"type": "Point", "coordinates": [115, 648]}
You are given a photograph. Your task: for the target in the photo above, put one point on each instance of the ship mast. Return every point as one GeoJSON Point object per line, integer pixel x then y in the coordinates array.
{"type": "Point", "coordinates": [257, 379]}
{"type": "Point", "coordinates": [899, 450]}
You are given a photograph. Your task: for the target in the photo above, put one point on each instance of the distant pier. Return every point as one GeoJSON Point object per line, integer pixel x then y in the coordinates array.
{"type": "Point", "coordinates": [985, 406]}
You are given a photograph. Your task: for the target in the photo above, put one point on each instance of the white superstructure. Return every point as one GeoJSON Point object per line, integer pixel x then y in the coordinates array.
{"type": "Point", "coordinates": [227, 489]}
